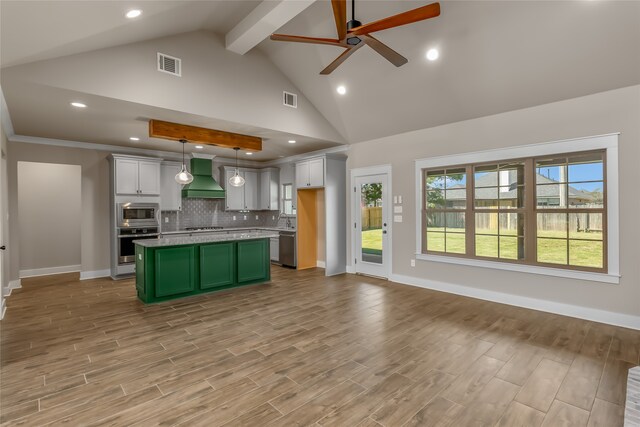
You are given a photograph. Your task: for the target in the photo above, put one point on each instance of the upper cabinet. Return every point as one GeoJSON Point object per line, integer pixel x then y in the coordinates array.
{"type": "Point", "coordinates": [269, 179]}
{"type": "Point", "coordinates": [137, 177]}
{"type": "Point", "coordinates": [245, 197]}
{"type": "Point", "coordinates": [170, 190]}
{"type": "Point", "coordinates": [259, 192]}
{"type": "Point", "coordinates": [310, 173]}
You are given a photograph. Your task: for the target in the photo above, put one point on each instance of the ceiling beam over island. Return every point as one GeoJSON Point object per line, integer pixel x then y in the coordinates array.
{"type": "Point", "coordinates": [177, 132]}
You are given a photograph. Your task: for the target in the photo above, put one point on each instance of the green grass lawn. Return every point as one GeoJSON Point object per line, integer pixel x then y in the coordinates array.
{"type": "Point", "coordinates": [584, 253]}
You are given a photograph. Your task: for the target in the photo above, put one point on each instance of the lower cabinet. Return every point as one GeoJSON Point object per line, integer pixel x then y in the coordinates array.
{"type": "Point", "coordinates": [172, 272]}
{"type": "Point", "coordinates": [253, 260]}
{"type": "Point", "coordinates": [217, 265]}
{"type": "Point", "coordinates": [175, 270]}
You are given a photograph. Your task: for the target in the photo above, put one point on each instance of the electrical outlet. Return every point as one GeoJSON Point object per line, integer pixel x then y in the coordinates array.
{"type": "Point", "coordinates": [257, 217]}
{"type": "Point", "coordinates": [234, 217]}
{"type": "Point", "coordinates": [166, 219]}
{"type": "Point", "coordinates": [413, 263]}
{"type": "Point", "coordinates": [245, 217]}
{"type": "Point", "coordinates": [273, 217]}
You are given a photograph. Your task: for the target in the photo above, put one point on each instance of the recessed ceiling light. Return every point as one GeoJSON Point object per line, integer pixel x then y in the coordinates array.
{"type": "Point", "coordinates": [78, 105]}
{"type": "Point", "coordinates": [292, 141]}
{"type": "Point", "coordinates": [133, 13]}
{"type": "Point", "coordinates": [432, 54]}
{"type": "Point", "coordinates": [341, 90]}
{"type": "Point", "coordinates": [199, 147]}
{"type": "Point", "coordinates": [249, 153]}
{"type": "Point", "coordinates": [134, 138]}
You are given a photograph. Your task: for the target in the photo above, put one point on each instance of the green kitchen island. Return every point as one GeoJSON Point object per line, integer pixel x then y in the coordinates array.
{"type": "Point", "coordinates": [178, 267]}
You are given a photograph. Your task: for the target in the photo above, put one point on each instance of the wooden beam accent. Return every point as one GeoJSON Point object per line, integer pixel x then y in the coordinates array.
{"type": "Point", "coordinates": [176, 132]}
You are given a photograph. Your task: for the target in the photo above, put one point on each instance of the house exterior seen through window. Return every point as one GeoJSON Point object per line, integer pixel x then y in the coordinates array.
{"type": "Point", "coordinates": [546, 211]}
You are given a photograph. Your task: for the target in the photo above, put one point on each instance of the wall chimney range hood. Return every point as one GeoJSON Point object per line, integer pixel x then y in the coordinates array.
{"type": "Point", "coordinates": [203, 185]}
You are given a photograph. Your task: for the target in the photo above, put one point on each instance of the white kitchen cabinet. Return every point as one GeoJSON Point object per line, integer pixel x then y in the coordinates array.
{"type": "Point", "coordinates": [140, 177]}
{"type": "Point", "coordinates": [234, 195]}
{"type": "Point", "coordinates": [251, 189]}
{"type": "Point", "coordinates": [170, 190]}
{"type": "Point", "coordinates": [310, 174]}
{"type": "Point", "coordinates": [268, 200]}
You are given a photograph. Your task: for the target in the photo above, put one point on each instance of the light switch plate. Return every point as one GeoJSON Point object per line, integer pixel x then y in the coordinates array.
{"type": "Point", "coordinates": [397, 218]}
{"type": "Point", "coordinates": [397, 209]}
{"type": "Point", "coordinates": [400, 199]}
{"type": "Point", "coordinates": [413, 263]}
{"type": "Point", "coordinates": [395, 199]}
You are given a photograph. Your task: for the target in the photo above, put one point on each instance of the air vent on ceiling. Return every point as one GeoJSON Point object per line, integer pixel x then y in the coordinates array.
{"type": "Point", "coordinates": [290, 99]}
{"type": "Point", "coordinates": [169, 64]}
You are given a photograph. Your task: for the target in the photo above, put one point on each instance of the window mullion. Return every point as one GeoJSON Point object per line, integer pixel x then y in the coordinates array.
{"type": "Point", "coordinates": [470, 218]}
{"type": "Point", "coordinates": [530, 218]}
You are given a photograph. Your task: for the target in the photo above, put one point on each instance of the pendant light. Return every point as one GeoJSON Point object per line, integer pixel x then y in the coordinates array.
{"type": "Point", "coordinates": [236, 180]}
{"type": "Point", "coordinates": [183, 177]}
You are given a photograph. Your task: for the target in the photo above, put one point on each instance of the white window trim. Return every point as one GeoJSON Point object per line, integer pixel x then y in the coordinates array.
{"type": "Point", "coordinates": [607, 142]}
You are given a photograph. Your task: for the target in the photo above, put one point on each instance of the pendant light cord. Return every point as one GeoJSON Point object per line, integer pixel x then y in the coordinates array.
{"type": "Point", "coordinates": [353, 10]}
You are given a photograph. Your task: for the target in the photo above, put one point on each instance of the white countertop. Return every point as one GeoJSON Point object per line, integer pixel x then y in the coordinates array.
{"type": "Point", "coordinates": [209, 238]}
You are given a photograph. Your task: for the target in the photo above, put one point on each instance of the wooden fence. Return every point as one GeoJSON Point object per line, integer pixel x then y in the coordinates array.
{"type": "Point", "coordinates": [371, 218]}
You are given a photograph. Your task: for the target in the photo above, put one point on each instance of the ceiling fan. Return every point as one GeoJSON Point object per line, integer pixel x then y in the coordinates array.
{"type": "Point", "coordinates": [353, 35]}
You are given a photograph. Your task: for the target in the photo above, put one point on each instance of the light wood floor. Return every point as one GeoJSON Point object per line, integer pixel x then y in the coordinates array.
{"type": "Point", "coordinates": [303, 350]}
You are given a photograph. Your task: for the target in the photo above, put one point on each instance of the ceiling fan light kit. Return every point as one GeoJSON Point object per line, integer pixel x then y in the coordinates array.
{"type": "Point", "coordinates": [353, 34]}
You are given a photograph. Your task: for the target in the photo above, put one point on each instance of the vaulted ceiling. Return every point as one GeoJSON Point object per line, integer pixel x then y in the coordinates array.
{"type": "Point", "coordinates": [494, 57]}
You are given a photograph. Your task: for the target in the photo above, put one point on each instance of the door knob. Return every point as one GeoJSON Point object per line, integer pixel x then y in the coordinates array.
{"type": "Point", "coordinates": [3, 247]}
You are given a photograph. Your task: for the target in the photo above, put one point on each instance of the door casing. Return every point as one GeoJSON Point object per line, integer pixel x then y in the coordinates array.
{"type": "Point", "coordinates": [386, 205]}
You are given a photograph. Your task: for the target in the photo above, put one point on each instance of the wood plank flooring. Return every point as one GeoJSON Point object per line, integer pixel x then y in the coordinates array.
{"type": "Point", "coordinates": [302, 350]}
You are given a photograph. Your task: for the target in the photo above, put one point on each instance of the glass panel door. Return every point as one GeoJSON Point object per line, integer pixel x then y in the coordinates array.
{"type": "Point", "coordinates": [372, 225]}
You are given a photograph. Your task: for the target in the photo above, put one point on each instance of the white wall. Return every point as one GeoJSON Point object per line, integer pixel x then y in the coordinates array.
{"type": "Point", "coordinates": [4, 279]}
{"type": "Point", "coordinates": [49, 220]}
{"type": "Point", "coordinates": [602, 113]}
{"type": "Point", "coordinates": [94, 219]}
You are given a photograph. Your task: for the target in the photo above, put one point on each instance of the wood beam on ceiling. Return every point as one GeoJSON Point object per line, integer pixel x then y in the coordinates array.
{"type": "Point", "coordinates": [176, 132]}
{"type": "Point", "coordinates": [264, 20]}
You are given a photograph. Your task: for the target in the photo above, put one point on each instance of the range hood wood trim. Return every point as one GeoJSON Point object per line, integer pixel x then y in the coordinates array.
{"type": "Point", "coordinates": [176, 132]}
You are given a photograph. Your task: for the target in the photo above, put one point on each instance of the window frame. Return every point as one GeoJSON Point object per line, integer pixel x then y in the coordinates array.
{"type": "Point", "coordinates": [607, 144]}
{"type": "Point", "coordinates": [284, 199]}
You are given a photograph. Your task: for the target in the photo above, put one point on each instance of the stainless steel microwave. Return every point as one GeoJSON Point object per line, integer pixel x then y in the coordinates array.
{"type": "Point", "coordinates": [133, 214]}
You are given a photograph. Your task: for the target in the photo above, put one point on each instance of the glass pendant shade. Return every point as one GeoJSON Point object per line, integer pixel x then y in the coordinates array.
{"type": "Point", "coordinates": [236, 180]}
{"type": "Point", "coordinates": [184, 177]}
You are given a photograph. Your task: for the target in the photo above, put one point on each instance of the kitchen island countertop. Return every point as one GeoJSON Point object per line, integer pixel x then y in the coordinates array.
{"type": "Point", "coordinates": [209, 238]}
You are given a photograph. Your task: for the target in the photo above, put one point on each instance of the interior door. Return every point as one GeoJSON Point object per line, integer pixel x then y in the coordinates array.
{"type": "Point", "coordinates": [371, 225]}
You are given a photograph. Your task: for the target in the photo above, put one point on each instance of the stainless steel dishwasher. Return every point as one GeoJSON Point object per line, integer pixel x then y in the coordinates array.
{"type": "Point", "coordinates": [288, 253]}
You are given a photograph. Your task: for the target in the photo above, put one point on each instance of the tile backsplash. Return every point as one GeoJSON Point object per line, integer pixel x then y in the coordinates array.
{"type": "Point", "coordinates": [210, 212]}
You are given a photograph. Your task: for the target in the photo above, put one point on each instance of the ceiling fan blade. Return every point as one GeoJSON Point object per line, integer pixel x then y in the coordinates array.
{"type": "Point", "coordinates": [340, 59]}
{"type": "Point", "coordinates": [390, 55]}
{"type": "Point", "coordinates": [303, 39]}
{"type": "Point", "coordinates": [340, 15]}
{"type": "Point", "coordinates": [415, 15]}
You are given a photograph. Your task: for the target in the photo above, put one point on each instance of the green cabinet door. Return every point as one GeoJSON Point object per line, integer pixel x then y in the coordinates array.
{"type": "Point", "coordinates": [217, 265]}
{"type": "Point", "coordinates": [174, 270]}
{"type": "Point", "coordinates": [253, 260]}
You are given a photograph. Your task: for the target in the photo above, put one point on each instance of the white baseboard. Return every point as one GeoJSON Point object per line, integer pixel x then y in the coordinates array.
{"type": "Point", "coordinates": [14, 284]}
{"type": "Point", "coordinates": [49, 270]}
{"type": "Point", "coordinates": [95, 274]}
{"type": "Point", "coordinates": [587, 313]}
{"type": "Point", "coordinates": [351, 269]}
{"type": "Point", "coordinates": [321, 264]}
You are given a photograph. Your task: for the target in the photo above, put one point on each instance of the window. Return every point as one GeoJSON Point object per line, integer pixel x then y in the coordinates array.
{"type": "Point", "coordinates": [287, 199]}
{"type": "Point", "coordinates": [548, 211]}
